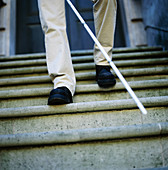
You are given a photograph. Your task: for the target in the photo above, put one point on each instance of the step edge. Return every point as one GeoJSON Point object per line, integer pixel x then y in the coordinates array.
{"type": "Point", "coordinates": [76, 57]}
{"type": "Point", "coordinates": [84, 135]}
{"type": "Point", "coordinates": [43, 69]}
{"type": "Point", "coordinates": [92, 88]}
{"type": "Point", "coordinates": [82, 107]}
{"type": "Point", "coordinates": [84, 76]}
{"type": "Point", "coordinates": [79, 66]}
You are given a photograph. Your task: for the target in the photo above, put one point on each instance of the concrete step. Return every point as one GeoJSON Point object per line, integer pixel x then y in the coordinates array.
{"type": "Point", "coordinates": [80, 89]}
{"type": "Point", "coordinates": [102, 129]}
{"type": "Point", "coordinates": [84, 59]}
{"type": "Point", "coordinates": [84, 135]}
{"type": "Point", "coordinates": [80, 53]}
{"type": "Point", "coordinates": [122, 147]}
{"type": "Point", "coordinates": [84, 93]}
{"type": "Point", "coordinates": [82, 115]}
{"type": "Point", "coordinates": [131, 64]}
{"type": "Point", "coordinates": [82, 107]}
{"type": "Point", "coordinates": [81, 120]}
{"type": "Point", "coordinates": [49, 84]}
{"type": "Point", "coordinates": [90, 75]}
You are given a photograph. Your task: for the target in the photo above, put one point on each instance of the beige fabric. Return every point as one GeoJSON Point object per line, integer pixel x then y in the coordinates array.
{"type": "Point", "coordinates": [52, 16]}
{"type": "Point", "coordinates": [105, 21]}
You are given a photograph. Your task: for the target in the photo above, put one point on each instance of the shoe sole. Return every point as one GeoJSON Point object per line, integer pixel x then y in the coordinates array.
{"type": "Point", "coordinates": [106, 83]}
{"type": "Point", "coordinates": [58, 99]}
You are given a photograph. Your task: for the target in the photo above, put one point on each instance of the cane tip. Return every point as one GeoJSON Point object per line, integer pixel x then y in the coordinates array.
{"type": "Point", "coordinates": [144, 111]}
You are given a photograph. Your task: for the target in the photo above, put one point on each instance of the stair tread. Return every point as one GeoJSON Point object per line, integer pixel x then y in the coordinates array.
{"type": "Point", "coordinates": [88, 88]}
{"type": "Point", "coordinates": [84, 135]}
{"type": "Point", "coordinates": [85, 76]}
{"type": "Point", "coordinates": [82, 107]}
{"type": "Point", "coordinates": [82, 52]}
{"type": "Point", "coordinates": [40, 63]}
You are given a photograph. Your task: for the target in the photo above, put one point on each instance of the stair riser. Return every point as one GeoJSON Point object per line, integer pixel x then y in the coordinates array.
{"type": "Point", "coordinates": [148, 50]}
{"type": "Point", "coordinates": [118, 154]}
{"type": "Point", "coordinates": [37, 64]}
{"type": "Point", "coordinates": [82, 120]}
{"type": "Point", "coordinates": [85, 69]}
{"type": "Point", "coordinates": [91, 75]}
{"type": "Point", "coordinates": [45, 73]}
{"type": "Point", "coordinates": [37, 82]}
{"type": "Point", "coordinates": [28, 85]}
{"type": "Point", "coordinates": [85, 97]}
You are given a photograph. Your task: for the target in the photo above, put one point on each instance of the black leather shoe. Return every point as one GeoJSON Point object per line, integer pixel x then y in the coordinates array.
{"type": "Point", "coordinates": [60, 95]}
{"type": "Point", "coordinates": [104, 77]}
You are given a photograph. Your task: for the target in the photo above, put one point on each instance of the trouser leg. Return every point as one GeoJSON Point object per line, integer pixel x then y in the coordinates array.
{"type": "Point", "coordinates": [105, 20]}
{"type": "Point", "coordinates": [59, 63]}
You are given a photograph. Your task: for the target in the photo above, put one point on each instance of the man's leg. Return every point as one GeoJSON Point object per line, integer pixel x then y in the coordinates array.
{"type": "Point", "coordinates": [59, 63]}
{"type": "Point", "coordinates": [105, 21]}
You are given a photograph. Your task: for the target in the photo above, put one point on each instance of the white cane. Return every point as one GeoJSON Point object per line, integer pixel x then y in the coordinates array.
{"type": "Point", "coordinates": [124, 82]}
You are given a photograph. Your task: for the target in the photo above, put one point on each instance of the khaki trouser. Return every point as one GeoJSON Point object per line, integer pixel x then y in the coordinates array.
{"type": "Point", "coordinates": [59, 63]}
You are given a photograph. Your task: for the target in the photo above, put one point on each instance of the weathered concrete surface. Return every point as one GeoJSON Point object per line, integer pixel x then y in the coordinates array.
{"type": "Point", "coordinates": [164, 143]}
{"type": "Point", "coordinates": [40, 65]}
{"type": "Point", "coordinates": [19, 84]}
{"type": "Point", "coordinates": [84, 135]}
{"type": "Point", "coordinates": [104, 155]}
{"type": "Point", "coordinates": [79, 53]}
{"type": "Point", "coordinates": [88, 75]}
{"type": "Point", "coordinates": [40, 99]}
{"type": "Point", "coordinates": [91, 88]}
{"type": "Point", "coordinates": [82, 107]}
{"type": "Point", "coordinates": [98, 119]}
{"type": "Point", "coordinates": [89, 133]}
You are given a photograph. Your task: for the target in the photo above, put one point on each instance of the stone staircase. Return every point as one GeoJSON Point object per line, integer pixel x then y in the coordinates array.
{"type": "Point", "coordinates": [102, 129]}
